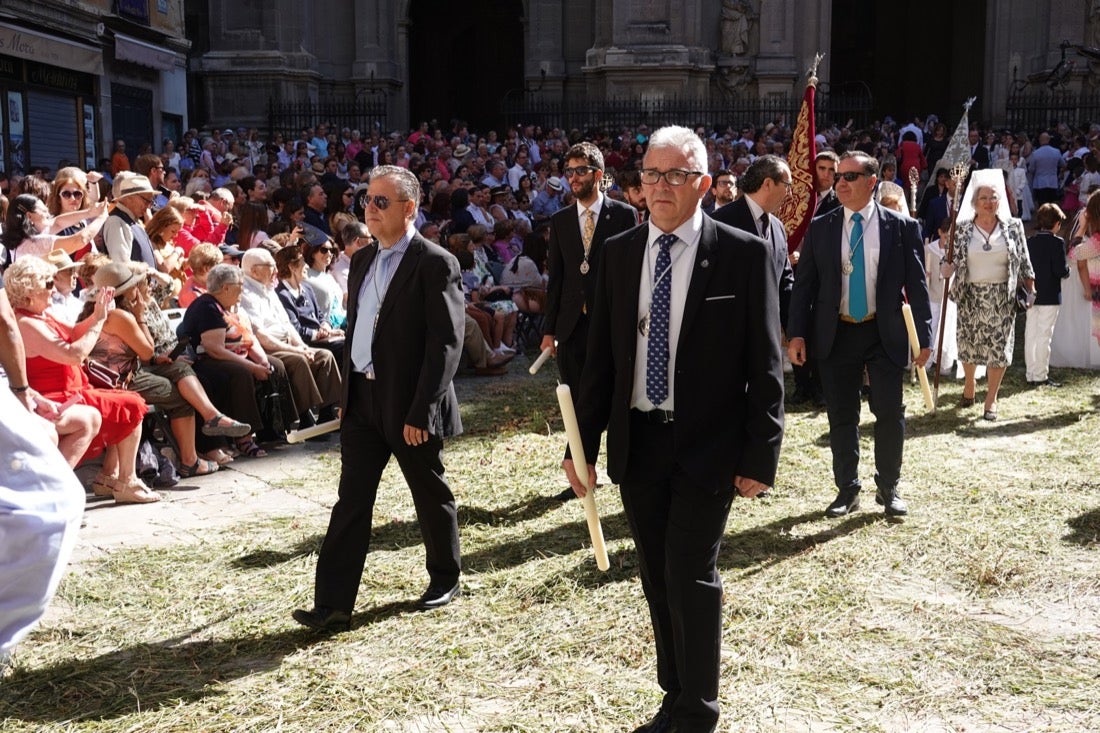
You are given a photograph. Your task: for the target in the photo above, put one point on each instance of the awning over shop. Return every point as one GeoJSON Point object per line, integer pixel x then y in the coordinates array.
{"type": "Point", "coordinates": [44, 49]}
{"type": "Point", "coordinates": [131, 49]}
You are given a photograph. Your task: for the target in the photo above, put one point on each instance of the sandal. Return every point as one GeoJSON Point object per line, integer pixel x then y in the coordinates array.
{"type": "Point", "coordinates": [201, 467]}
{"type": "Point", "coordinates": [234, 429]}
{"type": "Point", "coordinates": [134, 492]}
{"type": "Point", "coordinates": [250, 448]}
{"type": "Point", "coordinates": [218, 456]}
{"type": "Point", "coordinates": [102, 485]}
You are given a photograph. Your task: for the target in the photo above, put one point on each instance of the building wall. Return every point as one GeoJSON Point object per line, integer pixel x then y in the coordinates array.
{"type": "Point", "coordinates": [66, 67]}
{"type": "Point", "coordinates": [627, 48]}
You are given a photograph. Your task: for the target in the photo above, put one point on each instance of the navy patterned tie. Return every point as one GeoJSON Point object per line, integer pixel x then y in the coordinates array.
{"type": "Point", "coordinates": [656, 372]}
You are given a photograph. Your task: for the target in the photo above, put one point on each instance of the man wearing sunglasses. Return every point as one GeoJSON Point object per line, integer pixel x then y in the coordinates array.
{"type": "Point", "coordinates": [683, 370]}
{"type": "Point", "coordinates": [404, 339]}
{"type": "Point", "coordinates": [859, 263]}
{"type": "Point", "coordinates": [577, 235]}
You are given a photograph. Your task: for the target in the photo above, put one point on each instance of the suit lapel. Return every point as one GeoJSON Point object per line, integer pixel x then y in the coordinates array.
{"type": "Point", "coordinates": [886, 240]}
{"type": "Point", "coordinates": [700, 274]}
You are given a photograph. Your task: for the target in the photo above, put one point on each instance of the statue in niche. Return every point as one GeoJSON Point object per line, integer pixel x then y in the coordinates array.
{"type": "Point", "coordinates": [734, 80]}
{"type": "Point", "coordinates": [737, 18]}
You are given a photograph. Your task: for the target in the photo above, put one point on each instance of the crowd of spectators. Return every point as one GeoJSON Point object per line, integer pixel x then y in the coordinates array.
{"type": "Point", "coordinates": [248, 243]}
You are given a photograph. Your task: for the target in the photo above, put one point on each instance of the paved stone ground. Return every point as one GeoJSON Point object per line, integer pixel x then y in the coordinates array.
{"type": "Point", "coordinates": [244, 490]}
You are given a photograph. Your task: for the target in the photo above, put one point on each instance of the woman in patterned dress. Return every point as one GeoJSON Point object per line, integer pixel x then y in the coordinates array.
{"type": "Point", "coordinates": [991, 259]}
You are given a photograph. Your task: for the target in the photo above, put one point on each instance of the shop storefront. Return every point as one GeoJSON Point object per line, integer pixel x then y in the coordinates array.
{"type": "Point", "coordinates": [50, 103]}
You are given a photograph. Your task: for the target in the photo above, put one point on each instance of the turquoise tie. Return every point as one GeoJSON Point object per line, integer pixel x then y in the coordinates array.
{"type": "Point", "coordinates": [857, 280]}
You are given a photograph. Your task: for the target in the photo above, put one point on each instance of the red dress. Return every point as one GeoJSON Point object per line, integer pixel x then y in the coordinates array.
{"type": "Point", "coordinates": [122, 410]}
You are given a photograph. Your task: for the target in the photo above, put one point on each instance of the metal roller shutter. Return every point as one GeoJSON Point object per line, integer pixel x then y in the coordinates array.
{"type": "Point", "coordinates": [52, 129]}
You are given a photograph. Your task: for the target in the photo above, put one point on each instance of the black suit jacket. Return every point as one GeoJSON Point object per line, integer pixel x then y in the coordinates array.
{"type": "Point", "coordinates": [567, 289]}
{"type": "Point", "coordinates": [815, 300]}
{"type": "Point", "coordinates": [826, 202]}
{"type": "Point", "coordinates": [1048, 259]}
{"type": "Point", "coordinates": [729, 378]}
{"type": "Point", "coordinates": [417, 340]}
{"type": "Point", "coordinates": [980, 155]}
{"type": "Point", "coordinates": [739, 216]}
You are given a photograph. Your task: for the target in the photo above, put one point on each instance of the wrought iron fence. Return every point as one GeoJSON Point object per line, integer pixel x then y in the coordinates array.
{"type": "Point", "coordinates": [1039, 110]}
{"type": "Point", "coordinates": [290, 118]}
{"type": "Point", "coordinates": [614, 114]}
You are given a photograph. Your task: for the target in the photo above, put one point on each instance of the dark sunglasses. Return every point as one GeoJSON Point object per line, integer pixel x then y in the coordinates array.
{"type": "Point", "coordinates": [580, 170]}
{"type": "Point", "coordinates": [380, 202]}
{"type": "Point", "coordinates": [327, 250]}
{"type": "Point", "coordinates": [852, 176]}
{"type": "Point", "coordinates": [72, 195]}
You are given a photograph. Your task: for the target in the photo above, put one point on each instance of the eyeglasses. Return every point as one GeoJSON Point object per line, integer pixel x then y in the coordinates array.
{"type": "Point", "coordinates": [68, 194]}
{"type": "Point", "coordinates": [992, 197]}
{"type": "Point", "coordinates": [675, 177]}
{"type": "Point", "coordinates": [380, 202]}
{"type": "Point", "coordinates": [327, 250]}
{"type": "Point", "coordinates": [580, 170]}
{"type": "Point", "coordinates": [348, 194]}
{"type": "Point", "coordinates": [788, 184]}
{"type": "Point", "coordinates": [852, 176]}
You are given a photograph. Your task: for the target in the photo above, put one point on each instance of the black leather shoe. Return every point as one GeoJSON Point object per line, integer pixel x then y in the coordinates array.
{"type": "Point", "coordinates": [1044, 383]}
{"type": "Point", "coordinates": [661, 723]}
{"type": "Point", "coordinates": [846, 502]}
{"type": "Point", "coordinates": [438, 595]}
{"type": "Point", "coordinates": [799, 396]}
{"type": "Point", "coordinates": [323, 618]}
{"type": "Point", "coordinates": [566, 495]}
{"type": "Point", "coordinates": [893, 503]}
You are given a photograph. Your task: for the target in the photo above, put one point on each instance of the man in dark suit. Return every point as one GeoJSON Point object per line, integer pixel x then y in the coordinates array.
{"type": "Point", "coordinates": [859, 263]}
{"type": "Point", "coordinates": [824, 179]}
{"type": "Point", "coordinates": [979, 154]}
{"type": "Point", "coordinates": [764, 187]}
{"type": "Point", "coordinates": [404, 340]}
{"type": "Point", "coordinates": [577, 236]}
{"type": "Point", "coordinates": [683, 370]}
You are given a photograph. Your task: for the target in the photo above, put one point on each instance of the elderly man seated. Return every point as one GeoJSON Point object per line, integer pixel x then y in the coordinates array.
{"type": "Point", "coordinates": [314, 375]}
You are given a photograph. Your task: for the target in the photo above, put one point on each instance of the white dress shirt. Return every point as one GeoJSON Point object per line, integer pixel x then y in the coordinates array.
{"type": "Point", "coordinates": [683, 262]}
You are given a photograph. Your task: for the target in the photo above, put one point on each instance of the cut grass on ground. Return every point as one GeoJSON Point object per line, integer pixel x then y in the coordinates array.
{"type": "Point", "coordinates": [981, 611]}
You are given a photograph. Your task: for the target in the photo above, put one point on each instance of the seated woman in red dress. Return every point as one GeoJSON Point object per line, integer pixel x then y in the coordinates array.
{"type": "Point", "coordinates": [55, 352]}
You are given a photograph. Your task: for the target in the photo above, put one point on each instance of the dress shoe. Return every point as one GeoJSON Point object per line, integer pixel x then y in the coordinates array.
{"type": "Point", "coordinates": [500, 358]}
{"type": "Point", "coordinates": [566, 495]}
{"type": "Point", "coordinates": [438, 595]}
{"type": "Point", "coordinates": [323, 618]}
{"type": "Point", "coordinates": [1044, 383]}
{"type": "Point", "coordinates": [800, 395]}
{"type": "Point", "coordinates": [661, 723]}
{"type": "Point", "coordinates": [892, 501]}
{"type": "Point", "coordinates": [846, 502]}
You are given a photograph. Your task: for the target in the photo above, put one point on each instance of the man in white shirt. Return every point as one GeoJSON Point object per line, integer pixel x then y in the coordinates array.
{"type": "Point", "coordinates": [314, 377]}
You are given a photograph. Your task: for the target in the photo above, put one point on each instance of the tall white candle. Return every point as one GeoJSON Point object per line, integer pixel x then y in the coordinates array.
{"type": "Point", "coordinates": [576, 450]}
{"type": "Point", "coordinates": [914, 345]}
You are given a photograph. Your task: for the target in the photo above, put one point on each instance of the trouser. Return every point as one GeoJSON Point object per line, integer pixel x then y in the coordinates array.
{"type": "Point", "coordinates": [1038, 331]}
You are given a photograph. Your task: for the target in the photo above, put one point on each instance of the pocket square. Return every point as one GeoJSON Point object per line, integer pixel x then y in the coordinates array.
{"type": "Point", "coordinates": [721, 297]}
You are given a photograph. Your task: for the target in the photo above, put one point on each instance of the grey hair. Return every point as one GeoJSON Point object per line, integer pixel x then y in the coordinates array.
{"type": "Point", "coordinates": [404, 179]}
{"type": "Point", "coordinates": [24, 276]}
{"type": "Point", "coordinates": [256, 256]}
{"type": "Point", "coordinates": [684, 140]}
{"type": "Point", "coordinates": [222, 275]}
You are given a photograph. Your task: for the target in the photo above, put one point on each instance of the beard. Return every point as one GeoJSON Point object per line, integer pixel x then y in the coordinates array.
{"type": "Point", "coordinates": [586, 189]}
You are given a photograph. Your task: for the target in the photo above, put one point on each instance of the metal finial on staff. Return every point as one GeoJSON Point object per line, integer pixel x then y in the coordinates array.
{"type": "Point", "coordinates": [811, 74]}
{"type": "Point", "coordinates": [958, 174]}
{"type": "Point", "coordinates": [914, 178]}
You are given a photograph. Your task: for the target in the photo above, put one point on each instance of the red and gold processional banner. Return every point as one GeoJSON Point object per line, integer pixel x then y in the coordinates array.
{"type": "Point", "coordinates": [799, 207]}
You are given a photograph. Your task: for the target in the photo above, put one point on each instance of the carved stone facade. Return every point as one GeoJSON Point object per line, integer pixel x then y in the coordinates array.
{"type": "Point", "coordinates": [645, 49]}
